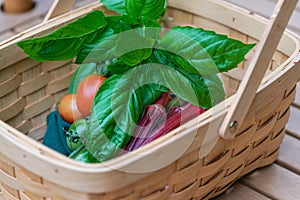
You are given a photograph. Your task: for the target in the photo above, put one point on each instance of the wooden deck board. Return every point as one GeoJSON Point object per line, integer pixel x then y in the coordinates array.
{"type": "Point", "coordinates": [289, 156]}
{"type": "Point", "coordinates": [241, 192]}
{"type": "Point", "coordinates": [297, 99]}
{"type": "Point", "coordinates": [293, 125]}
{"type": "Point", "coordinates": [275, 182]}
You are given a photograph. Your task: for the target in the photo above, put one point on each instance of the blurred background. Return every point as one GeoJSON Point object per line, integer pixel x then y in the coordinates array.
{"type": "Point", "coordinates": [265, 9]}
{"type": "Point", "coordinates": [13, 23]}
{"type": "Point", "coordinates": [16, 22]}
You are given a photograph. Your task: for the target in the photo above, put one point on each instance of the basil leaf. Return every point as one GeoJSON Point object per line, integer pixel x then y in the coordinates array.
{"type": "Point", "coordinates": [100, 50]}
{"type": "Point", "coordinates": [208, 89]}
{"type": "Point", "coordinates": [151, 9]}
{"type": "Point", "coordinates": [151, 29]}
{"type": "Point", "coordinates": [117, 66]}
{"type": "Point", "coordinates": [121, 23]}
{"type": "Point", "coordinates": [117, 107]}
{"type": "Point", "coordinates": [195, 48]}
{"type": "Point", "coordinates": [66, 42]}
{"type": "Point", "coordinates": [205, 91]}
{"type": "Point", "coordinates": [133, 47]}
{"type": "Point", "coordinates": [135, 57]}
{"type": "Point", "coordinates": [128, 46]}
{"type": "Point", "coordinates": [115, 5]}
{"type": "Point", "coordinates": [81, 72]}
{"type": "Point", "coordinates": [103, 47]}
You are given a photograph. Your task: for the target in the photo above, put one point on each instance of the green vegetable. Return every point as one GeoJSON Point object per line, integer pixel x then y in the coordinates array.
{"type": "Point", "coordinates": [74, 136]}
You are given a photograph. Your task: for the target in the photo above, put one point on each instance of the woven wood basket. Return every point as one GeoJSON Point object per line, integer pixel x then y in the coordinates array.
{"type": "Point", "coordinates": [191, 162]}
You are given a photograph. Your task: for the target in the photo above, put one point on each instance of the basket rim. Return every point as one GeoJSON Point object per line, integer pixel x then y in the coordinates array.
{"type": "Point", "coordinates": [29, 148]}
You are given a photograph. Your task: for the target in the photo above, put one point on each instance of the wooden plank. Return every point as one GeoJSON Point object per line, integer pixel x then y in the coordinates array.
{"type": "Point", "coordinates": [274, 182]}
{"type": "Point", "coordinates": [240, 192]}
{"type": "Point", "coordinates": [289, 154]}
{"type": "Point", "coordinates": [293, 125]}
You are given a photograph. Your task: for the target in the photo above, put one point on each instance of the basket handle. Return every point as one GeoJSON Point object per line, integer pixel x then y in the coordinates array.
{"type": "Point", "coordinates": [59, 7]}
{"type": "Point", "coordinates": [257, 68]}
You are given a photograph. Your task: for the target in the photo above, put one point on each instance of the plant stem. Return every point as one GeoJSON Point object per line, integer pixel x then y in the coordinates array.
{"type": "Point", "coordinates": [187, 113]}
{"type": "Point", "coordinates": [154, 116]}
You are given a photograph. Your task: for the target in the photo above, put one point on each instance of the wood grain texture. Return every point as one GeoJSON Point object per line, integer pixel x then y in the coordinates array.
{"type": "Point", "coordinates": [275, 182]}
{"type": "Point", "coordinates": [297, 98]}
{"type": "Point", "coordinates": [293, 125]}
{"type": "Point", "coordinates": [241, 192]}
{"type": "Point", "coordinates": [289, 156]}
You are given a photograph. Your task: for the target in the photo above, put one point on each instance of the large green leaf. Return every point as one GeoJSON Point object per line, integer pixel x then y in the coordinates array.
{"type": "Point", "coordinates": [133, 46]}
{"type": "Point", "coordinates": [122, 23]}
{"type": "Point", "coordinates": [115, 5]}
{"type": "Point", "coordinates": [66, 42]}
{"type": "Point", "coordinates": [205, 90]}
{"type": "Point", "coordinates": [103, 48]}
{"type": "Point", "coordinates": [100, 50]}
{"type": "Point", "coordinates": [116, 109]}
{"type": "Point", "coordinates": [117, 66]}
{"type": "Point", "coordinates": [151, 9]}
{"type": "Point", "coordinates": [201, 51]}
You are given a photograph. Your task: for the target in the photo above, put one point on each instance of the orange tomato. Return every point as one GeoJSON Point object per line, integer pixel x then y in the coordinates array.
{"type": "Point", "coordinates": [68, 110]}
{"type": "Point", "coordinates": [86, 92]}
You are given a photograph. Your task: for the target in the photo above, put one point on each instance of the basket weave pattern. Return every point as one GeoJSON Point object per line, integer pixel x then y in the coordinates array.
{"type": "Point", "coordinates": [31, 89]}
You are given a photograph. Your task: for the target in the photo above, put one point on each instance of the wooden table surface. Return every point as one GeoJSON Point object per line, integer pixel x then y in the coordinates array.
{"type": "Point", "coordinates": [280, 180]}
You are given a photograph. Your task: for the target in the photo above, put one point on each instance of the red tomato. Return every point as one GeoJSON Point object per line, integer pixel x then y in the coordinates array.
{"type": "Point", "coordinates": [67, 108]}
{"type": "Point", "coordinates": [86, 92]}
